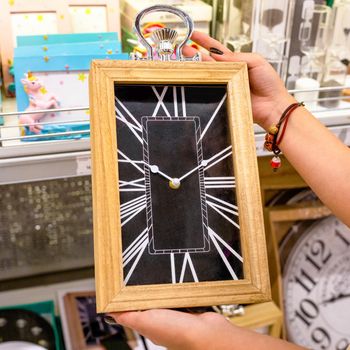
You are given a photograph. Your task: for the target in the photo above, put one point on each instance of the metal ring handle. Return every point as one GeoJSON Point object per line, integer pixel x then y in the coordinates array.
{"type": "Point", "coordinates": [157, 8]}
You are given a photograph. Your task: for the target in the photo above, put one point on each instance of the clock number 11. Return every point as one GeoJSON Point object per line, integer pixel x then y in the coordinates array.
{"type": "Point", "coordinates": [317, 257]}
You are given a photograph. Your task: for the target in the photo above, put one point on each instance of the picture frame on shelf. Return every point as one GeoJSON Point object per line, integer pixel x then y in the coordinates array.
{"type": "Point", "coordinates": [21, 17]}
{"type": "Point", "coordinates": [88, 330]}
{"type": "Point", "coordinates": [140, 261]}
{"type": "Point", "coordinates": [62, 71]}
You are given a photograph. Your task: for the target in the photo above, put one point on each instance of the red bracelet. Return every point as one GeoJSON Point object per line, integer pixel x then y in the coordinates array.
{"type": "Point", "coordinates": [273, 139]}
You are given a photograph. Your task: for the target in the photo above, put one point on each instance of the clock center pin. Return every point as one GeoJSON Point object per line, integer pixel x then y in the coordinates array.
{"type": "Point", "coordinates": [174, 183]}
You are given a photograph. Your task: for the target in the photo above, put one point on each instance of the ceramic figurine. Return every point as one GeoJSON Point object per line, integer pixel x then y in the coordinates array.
{"type": "Point", "coordinates": [39, 99]}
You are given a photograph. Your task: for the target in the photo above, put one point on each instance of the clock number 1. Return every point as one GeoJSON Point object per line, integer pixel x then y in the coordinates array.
{"type": "Point", "coordinates": [339, 235]}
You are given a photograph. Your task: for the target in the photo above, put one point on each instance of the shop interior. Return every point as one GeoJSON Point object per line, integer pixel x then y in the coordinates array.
{"type": "Point", "coordinates": [47, 285]}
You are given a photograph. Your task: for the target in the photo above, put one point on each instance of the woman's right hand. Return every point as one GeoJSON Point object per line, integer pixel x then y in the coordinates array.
{"type": "Point", "coordinates": [268, 94]}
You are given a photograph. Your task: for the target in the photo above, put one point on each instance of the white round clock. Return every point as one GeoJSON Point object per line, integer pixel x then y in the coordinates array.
{"type": "Point", "coordinates": [315, 259]}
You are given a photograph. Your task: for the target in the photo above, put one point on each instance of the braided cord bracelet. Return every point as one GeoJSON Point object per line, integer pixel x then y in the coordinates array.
{"type": "Point", "coordinates": [273, 137]}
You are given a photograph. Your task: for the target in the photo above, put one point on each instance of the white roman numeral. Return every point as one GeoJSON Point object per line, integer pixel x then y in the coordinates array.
{"type": "Point", "coordinates": [135, 249]}
{"type": "Point", "coordinates": [132, 162]}
{"type": "Point", "coordinates": [131, 183]}
{"type": "Point", "coordinates": [134, 126]}
{"type": "Point", "coordinates": [130, 209]}
{"type": "Point", "coordinates": [221, 206]}
{"type": "Point", "coordinates": [176, 113]}
{"type": "Point", "coordinates": [215, 238]}
{"type": "Point", "coordinates": [160, 101]}
{"type": "Point", "coordinates": [188, 261]}
{"type": "Point", "coordinates": [220, 182]}
{"type": "Point", "coordinates": [184, 113]}
{"type": "Point", "coordinates": [130, 203]}
{"type": "Point", "coordinates": [213, 117]}
{"type": "Point", "coordinates": [218, 157]}
{"type": "Point", "coordinates": [127, 186]}
{"type": "Point", "coordinates": [172, 264]}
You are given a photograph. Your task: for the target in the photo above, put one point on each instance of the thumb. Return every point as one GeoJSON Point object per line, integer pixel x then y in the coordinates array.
{"type": "Point", "coordinates": [165, 327]}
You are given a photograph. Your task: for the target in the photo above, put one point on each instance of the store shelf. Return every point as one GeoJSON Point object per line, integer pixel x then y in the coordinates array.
{"type": "Point", "coordinates": [35, 161]}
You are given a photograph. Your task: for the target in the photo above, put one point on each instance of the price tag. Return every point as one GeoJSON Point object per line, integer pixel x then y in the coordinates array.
{"type": "Point", "coordinates": [84, 165]}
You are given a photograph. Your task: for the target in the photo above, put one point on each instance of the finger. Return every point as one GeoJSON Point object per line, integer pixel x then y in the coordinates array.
{"type": "Point", "coordinates": [207, 42]}
{"type": "Point", "coordinates": [161, 326]}
{"type": "Point", "coordinates": [189, 51]}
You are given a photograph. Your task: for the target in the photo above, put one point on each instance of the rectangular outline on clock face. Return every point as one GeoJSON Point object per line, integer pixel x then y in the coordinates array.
{"type": "Point", "coordinates": [200, 172]}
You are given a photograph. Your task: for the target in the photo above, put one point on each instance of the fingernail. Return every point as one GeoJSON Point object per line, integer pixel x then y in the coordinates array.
{"type": "Point", "coordinates": [110, 320]}
{"type": "Point", "coordinates": [216, 51]}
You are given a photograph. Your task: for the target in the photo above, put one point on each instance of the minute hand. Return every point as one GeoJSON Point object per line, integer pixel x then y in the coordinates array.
{"type": "Point", "coordinates": [190, 172]}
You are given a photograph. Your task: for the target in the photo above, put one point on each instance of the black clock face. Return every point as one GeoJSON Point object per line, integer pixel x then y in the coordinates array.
{"type": "Point", "coordinates": [178, 209]}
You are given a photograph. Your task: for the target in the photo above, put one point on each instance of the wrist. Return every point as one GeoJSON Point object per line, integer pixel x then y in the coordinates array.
{"type": "Point", "coordinates": [277, 110]}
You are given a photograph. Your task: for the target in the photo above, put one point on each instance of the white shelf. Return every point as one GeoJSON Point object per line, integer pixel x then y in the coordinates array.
{"type": "Point", "coordinates": [36, 161]}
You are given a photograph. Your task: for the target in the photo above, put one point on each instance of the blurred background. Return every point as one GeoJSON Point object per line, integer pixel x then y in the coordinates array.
{"type": "Point", "coordinates": [46, 244]}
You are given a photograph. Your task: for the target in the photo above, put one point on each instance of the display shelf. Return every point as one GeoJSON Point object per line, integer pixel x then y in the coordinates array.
{"type": "Point", "coordinates": [41, 160]}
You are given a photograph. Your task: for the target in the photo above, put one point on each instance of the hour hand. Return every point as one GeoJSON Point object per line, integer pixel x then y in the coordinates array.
{"type": "Point", "coordinates": [155, 170]}
{"type": "Point", "coordinates": [174, 183]}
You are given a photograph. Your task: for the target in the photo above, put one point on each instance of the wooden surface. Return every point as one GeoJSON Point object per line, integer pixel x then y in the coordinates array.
{"type": "Point", "coordinates": [261, 315]}
{"type": "Point", "coordinates": [111, 293]}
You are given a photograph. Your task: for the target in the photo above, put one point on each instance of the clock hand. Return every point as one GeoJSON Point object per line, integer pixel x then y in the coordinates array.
{"type": "Point", "coordinates": [191, 171]}
{"type": "Point", "coordinates": [155, 170]}
{"type": "Point", "coordinates": [174, 183]}
{"type": "Point", "coordinates": [336, 298]}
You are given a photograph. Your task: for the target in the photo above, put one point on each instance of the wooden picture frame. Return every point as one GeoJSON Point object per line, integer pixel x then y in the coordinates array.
{"type": "Point", "coordinates": [78, 325]}
{"type": "Point", "coordinates": [63, 18]}
{"type": "Point", "coordinates": [279, 219]}
{"type": "Point", "coordinates": [112, 293]}
{"type": "Point", "coordinates": [259, 316]}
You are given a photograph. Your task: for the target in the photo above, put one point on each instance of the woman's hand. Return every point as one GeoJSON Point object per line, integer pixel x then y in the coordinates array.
{"type": "Point", "coordinates": [268, 94]}
{"type": "Point", "coordinates": [183, 331]}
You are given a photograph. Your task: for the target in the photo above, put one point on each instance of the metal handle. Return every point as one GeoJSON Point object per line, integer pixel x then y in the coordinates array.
{"type": "Point", "coordinates": [158, 8]}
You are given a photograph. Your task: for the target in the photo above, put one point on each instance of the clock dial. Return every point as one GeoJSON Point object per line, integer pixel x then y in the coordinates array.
{"type": "Point", "coordinates": [316, 284]}
{"type": "Point", "coordinates": [178, 207]}
{"type": "Point", "coordinates": [184, 201]}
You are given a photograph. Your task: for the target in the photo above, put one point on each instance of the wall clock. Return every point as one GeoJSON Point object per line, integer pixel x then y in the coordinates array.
{"type": "Point", "coordinates": [178, 217]}
{"type": "Point", "coordinates": [315, 259]}
{"type": "Point", "coordinates": [27, 326]}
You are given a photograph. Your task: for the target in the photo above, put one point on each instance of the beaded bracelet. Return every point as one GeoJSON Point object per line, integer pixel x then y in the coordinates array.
{"type": "Point", "coordinates": [272, 138]}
